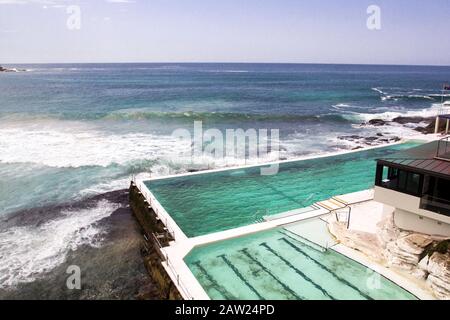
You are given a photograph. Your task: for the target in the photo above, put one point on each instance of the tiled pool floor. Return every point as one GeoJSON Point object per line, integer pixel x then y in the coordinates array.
{"type": "Point", "coordinates": [277, 264]}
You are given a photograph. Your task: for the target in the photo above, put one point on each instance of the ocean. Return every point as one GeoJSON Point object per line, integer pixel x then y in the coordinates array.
{"type": "Point", "coordinates": [71, 132]}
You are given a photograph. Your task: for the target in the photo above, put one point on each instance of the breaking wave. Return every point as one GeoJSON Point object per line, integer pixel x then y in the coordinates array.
{"type": "Point", "coordinates": [397, 94]}
{"type": "Point", "coordinates": [181, 117]}
{"type": "Point", "coordinates": [27, 252]}
{"type": "Point", "coordinates": [390, 115]}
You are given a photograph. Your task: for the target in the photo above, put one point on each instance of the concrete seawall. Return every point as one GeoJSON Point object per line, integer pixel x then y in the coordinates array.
{"type": "Point", "coordinates": [155, 237]}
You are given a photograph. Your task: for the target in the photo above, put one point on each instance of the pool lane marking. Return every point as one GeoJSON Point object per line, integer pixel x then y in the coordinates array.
{"type": "Point", "coordinates": [304, 276]}
{"type": "Point", "coordinates": [236, 271]}
{"type": "Point", "coordinates": [285, 287]}
{"type": "Point", "coordinates": [224, 292]}
{"type": "Point", "coordinates": [325, 268]}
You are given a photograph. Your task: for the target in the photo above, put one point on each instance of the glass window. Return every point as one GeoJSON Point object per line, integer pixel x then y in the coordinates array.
{"type": "Point", "coordinates": [413, 183]}
{"type": "Point", "coordinates": [402, 177]}
{"type": "Point", "coordinates": [443, 189]}
{"type": "Point", "coordinates": [384, 176]}
{"type": "Point", "coordinates": [399, 180]}
{"type": "Point", "coordinates": [393, 173]}
{"type": "Point", "coordinates": [392, 180]}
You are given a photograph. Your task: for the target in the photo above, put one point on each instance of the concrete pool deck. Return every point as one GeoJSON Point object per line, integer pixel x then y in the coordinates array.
{"type": "Point", "coordinates": [188, 285]}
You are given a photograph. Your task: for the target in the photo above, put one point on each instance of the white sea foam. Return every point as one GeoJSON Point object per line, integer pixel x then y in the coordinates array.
{"type": "Point", "coordinates": [396, 94]}
{"type": "Point", "coordinates": [59, 147]}
{"type": "Point", "coordinates": [440, 95]}
{"type": "Point", "coordinates": [378, 90]}
{"type": "Point", "coordinates": [341, 106]}
{"type": "Point", "coordinates": [77, 145]}
{"type": "Point", "coordinates": [390, 115]}
{"type": "Point", "coordinates": [29, 251]}
{"type": "Point", "coordinates": [345, 106]}
{"type": "Point", "coordinates": [396, 97]}
{"type": "Point", "coordinates": [117, 184]}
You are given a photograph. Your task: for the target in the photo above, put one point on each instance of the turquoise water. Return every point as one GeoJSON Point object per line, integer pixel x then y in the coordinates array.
{"type": "Point", "coordinates": [211, 202]}
{"type": "Point", "coordinates": [276, 265]}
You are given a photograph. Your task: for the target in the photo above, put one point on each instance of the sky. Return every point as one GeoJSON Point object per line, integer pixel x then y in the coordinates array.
{"type": "Point", "coordinates": [293, 31]}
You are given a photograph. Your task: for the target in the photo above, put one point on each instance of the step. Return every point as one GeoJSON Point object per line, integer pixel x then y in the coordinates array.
{"type": "Point", "coordinates": [331, 205]}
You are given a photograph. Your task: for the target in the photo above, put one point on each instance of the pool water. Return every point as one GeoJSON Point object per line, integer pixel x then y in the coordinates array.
{"type": "Point", "coordinates": [278, 265]}
{"type": "Point", "coordinates": [211, 202]}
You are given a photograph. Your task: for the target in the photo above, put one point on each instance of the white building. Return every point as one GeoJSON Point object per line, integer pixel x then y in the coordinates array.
{"type": "Point", "coordinates": [415, 185]}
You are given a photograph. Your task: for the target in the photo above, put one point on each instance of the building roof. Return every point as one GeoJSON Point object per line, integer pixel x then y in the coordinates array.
{"type": "Point", "coordinates": [420, 159]}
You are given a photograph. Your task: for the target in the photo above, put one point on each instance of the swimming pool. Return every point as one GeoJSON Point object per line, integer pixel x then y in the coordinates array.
{"type": "Point", "coordinates": [217, 201]}
{"type": "Point", "coordinates": [279, 265]}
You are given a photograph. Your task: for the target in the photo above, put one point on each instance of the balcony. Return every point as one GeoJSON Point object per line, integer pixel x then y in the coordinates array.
{"type": "Point", "coordinates": [435, 204]}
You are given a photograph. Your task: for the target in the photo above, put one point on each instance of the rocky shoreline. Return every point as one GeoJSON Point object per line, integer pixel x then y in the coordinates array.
{"type": "Point", "coordinates": [424, 125]}
{"type": "Point", "coordinates": [113, 270]}
{"type": "Point", "coordinates": [423, 256]}
{"type": "Point", "coordinates": [427, 128]}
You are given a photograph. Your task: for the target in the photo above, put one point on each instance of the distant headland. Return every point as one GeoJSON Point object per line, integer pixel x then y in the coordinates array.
{"type": "Point", "coordinates": [3, 69]}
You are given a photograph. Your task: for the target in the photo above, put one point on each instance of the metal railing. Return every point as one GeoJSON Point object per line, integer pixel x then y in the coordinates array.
{"type": "Point", "coordinates": [180, 285]}
{"type": "Point", "coordinates": [159, 245]}
{"type": "Point", "coordinates": [152, 201]}
{"type": "Point", "coordinates": [444, 111]}
{"type": "Point", "coordinates": [443, 149]}
{"type": "Point", "coordinates": [349, 214]}
{"type": "Point", "coordinates": [260, 215]}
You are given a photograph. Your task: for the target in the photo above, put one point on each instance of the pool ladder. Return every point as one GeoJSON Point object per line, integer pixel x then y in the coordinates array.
{"type": "Point", "coordinates": [348, 215]}
{"type": "Point", "coordinates": [260, 214]}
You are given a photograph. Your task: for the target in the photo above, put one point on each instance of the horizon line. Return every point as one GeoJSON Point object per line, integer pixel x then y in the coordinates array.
{"type": "Point", "coordinates": [229, 62]}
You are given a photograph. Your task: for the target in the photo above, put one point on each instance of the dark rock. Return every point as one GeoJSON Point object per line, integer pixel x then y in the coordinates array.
{"type": "Point", "coordinates": [431, 127]}
{"type": "Point", "coordinates": [406, 120]}
{"type": "Point", "coordinates": [112, 271]}
{"type": "Point", "coordinates": [380, 134]}
{"type": "Point", "coordinates": [351, 138]}
{"type": "Point", "coordinates": [2, 69]}
{"type": "Point", "coordinates": [377, 122]}
{"type": "Point", "coordinates": [371, 139]}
